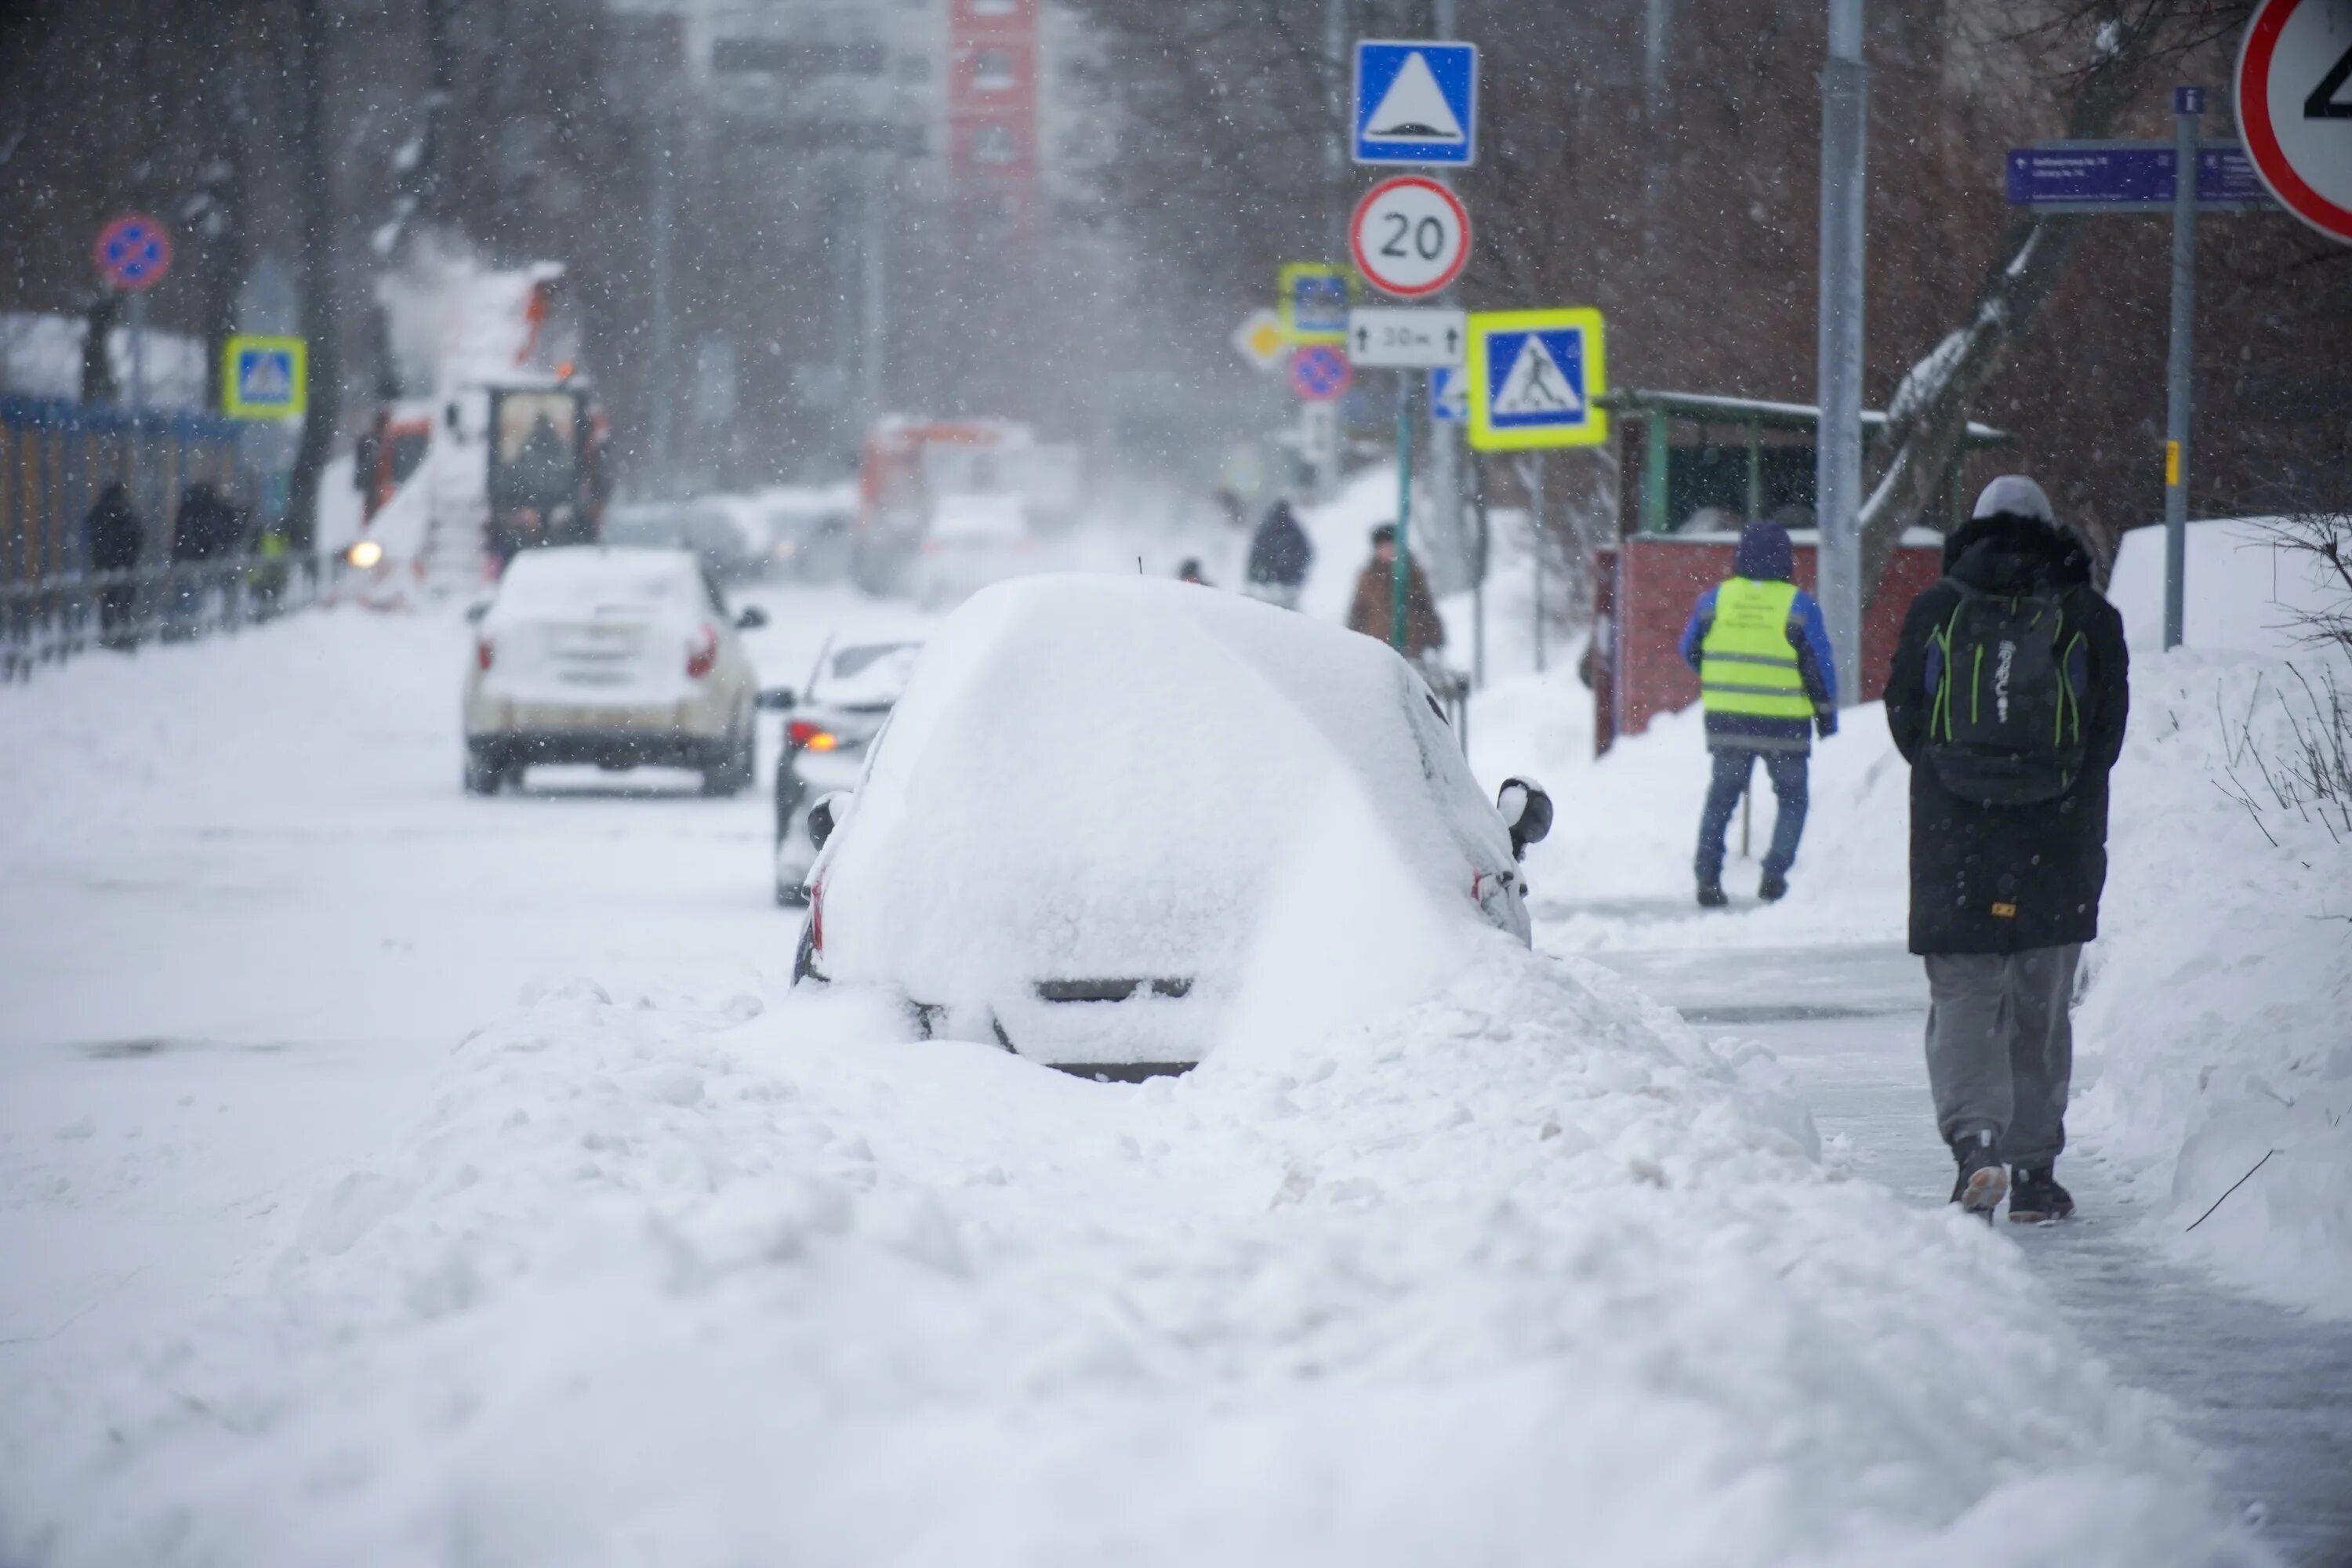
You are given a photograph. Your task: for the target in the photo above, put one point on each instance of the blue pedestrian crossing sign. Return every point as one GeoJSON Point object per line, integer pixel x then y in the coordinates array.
{"type": "Point", "coordinates": [1449, 395]}
{"type": "Point", "coordinates": [1416, 102]}
{"type": "Point", "coordinates": [1313, 299]}
{"type": "Point", "coordinates": [1536, 380]}
{"type": "Point", "coordinates": [265, 378]}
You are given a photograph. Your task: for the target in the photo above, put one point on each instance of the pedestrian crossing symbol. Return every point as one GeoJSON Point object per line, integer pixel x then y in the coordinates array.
{"type": "Point", "coordinates": [1535, 377]}
{"type": "Point", "coordinates": [1416, 102]}
{"type": "Point", "coordinates": [265, 378]}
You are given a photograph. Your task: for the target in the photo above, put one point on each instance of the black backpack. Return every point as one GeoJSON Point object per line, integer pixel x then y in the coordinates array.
{"type": "Point", "coordinates": [2005, 677]}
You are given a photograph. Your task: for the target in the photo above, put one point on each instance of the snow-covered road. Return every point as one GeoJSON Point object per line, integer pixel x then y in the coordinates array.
{"type": "Point", "coordinates": [387, 1177]}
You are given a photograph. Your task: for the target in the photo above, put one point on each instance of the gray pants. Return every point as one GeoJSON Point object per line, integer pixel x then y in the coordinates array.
{"type": "Point", "coordinates": [2000, 1047]}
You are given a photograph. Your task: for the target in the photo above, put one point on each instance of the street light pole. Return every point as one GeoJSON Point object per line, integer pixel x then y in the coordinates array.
{"type": "Point", "coordinates": [1837, 452]}
{"type": "Point", "coordinates": [663, 378]}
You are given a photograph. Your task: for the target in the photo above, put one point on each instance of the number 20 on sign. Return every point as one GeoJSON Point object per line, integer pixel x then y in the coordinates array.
{"type": "Point", "coordinates": [1411, 237]}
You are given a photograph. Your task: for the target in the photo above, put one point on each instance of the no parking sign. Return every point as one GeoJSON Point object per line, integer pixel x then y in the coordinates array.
{"type": "Point", "coordinates": [1319, 372]}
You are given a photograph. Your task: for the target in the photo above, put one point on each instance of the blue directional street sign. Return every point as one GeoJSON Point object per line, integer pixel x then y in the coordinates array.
{"type": "Point", "coordinates": [1449, 395]}
{"type": "Point", "coordinates": [1416, 102]}
{"type": "Point", "coordinates": [2127, 176]}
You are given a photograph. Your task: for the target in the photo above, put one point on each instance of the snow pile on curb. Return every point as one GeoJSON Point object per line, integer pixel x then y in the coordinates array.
{"type": "Point", "coordinates": [2217, 1022]}
{"type": "Point", "coordinates": [1522, 1266]}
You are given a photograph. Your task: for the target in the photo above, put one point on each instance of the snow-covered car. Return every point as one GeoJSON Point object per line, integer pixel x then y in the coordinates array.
{"type": "Point", "coordinates": [833, 722]}
{"type": "Point", "coordinates": [614, 656]}
{"type": "Point", "coordinates": [1103, 805]}
{"type": "Point", "coordinates": [808, 530]}
{"type": "Point", "coordinates": [974, 540]}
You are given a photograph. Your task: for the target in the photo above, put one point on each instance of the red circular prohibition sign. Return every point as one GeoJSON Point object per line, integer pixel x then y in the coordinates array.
{"type": "Point", "coordinates": [1374, 271]}
{"type": "Point", "coordinates": [2255, 58]}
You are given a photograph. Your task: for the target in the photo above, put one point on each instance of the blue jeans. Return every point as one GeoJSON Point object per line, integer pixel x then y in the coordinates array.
{"type": "Point", "coordinates": [1732, 771]}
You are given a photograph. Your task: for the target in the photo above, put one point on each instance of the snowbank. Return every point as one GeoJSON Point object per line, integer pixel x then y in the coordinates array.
{"type": "Point", "coordinates": [1520, 1265]}
{"type": "Point", "coordinates": [2216, 1026]}
{"type": "Point", "coordinates": [2243, 592]}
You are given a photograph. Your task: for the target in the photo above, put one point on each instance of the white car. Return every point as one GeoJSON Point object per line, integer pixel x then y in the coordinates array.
{"type": "Point", "coordinates": [974, 539]}
{"type": "Point", "coordinates": [614, 656]}
{"type": "Point", "coordinates": [833, 721]}
{"type": "Point", "coordinates": [1103, 804]}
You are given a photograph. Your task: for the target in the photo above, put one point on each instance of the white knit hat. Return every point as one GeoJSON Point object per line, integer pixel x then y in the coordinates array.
{"type": "Point", "coordinates": [2015, 494]}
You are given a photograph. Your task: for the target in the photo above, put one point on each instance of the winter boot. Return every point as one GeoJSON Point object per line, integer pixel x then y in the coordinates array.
{"type": "Point", "coordinates": [1983, 1180]}
{"type": "Point", "coordinates": [1773, 888]}
{"type": "Point", "coordinates": [2036, 1198]}
{"type": "Point", "coordinates": [1711, 896]}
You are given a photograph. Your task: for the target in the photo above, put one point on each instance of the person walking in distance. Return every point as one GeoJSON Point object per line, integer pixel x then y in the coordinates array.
{"type": "Point", "coordinates": [1769, 682]}
{"type": "Point", "coordinates": [1279, 554]}
{"type": "Point", "coordinates": [2009, 696]}
{"type": "Point", "coordinates": [113, 540]}
{"type": "Point", "coordinates": [1373, 610]}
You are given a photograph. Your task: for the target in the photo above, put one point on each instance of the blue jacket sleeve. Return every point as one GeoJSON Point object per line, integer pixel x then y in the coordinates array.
{"type": "Point", "coordinates": [1811, 635]}
{"type": "Point", "coordinates": [1701, 620]}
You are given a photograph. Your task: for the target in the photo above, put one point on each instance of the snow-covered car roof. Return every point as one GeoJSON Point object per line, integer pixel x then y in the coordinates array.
{"type": "Point", "coordinates": [1111, 776]}
{"type": "Point", "coordinates": [585, 576]}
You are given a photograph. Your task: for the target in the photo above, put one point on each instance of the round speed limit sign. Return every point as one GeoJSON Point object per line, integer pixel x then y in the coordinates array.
{"type": "Point", "coordinates": [2294, 107]}
{"type": "Point", "coordinates": [1409, 235]}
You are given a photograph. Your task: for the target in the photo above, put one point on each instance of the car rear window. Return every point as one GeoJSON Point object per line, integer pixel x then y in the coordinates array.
{"type": "Point", "coordinates": [545, 580]}
{"type": "Point", "coordinates": [866, 673]}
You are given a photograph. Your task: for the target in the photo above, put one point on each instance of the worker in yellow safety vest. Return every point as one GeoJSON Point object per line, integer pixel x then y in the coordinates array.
{"type": "Point", "coordinates": [1769, 682]}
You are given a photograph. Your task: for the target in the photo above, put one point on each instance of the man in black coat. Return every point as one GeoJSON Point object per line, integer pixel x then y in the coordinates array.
{"type": "Point", "coordinates": [2004, 896]}
{"type": "Point", "coordinates": [114, 538]}
{"type": "Point", "coordinates": [1279, 555]}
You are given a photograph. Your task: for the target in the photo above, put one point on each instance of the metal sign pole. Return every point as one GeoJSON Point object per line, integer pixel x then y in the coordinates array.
{"type": "Point", "coordinates": [1837, 486]}
{"type": "Point", "coordinates": [1401, 576]}
{"type": "Point", "coordinates": [1534, 473]}
{"type": "Point", "coordinates": [138, 349]}
{"type": "Point", "coordinates": [2188, 104]}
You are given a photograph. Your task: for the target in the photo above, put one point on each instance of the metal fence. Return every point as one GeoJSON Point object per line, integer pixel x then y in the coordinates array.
{"type": "Point", "coordinates": [51, 620]}
{"type": "Point", "coordinates": [57, 456]}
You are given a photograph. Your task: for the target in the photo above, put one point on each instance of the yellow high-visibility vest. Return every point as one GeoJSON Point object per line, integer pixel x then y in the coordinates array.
{"type": "Point", "coordinates": [1746, 663]}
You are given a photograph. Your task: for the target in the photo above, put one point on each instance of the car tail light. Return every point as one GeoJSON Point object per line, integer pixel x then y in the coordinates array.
{"type": "Point", "coordinates": [702, 653]}
{"type": "Point", "coordinates": [816, 915]}
{"type": "Point", "coordinates": [815, 737]}
{"type": "Point", "coordinates": [933, 546]}
{"type": "Point", "coordinates": [484, 653]}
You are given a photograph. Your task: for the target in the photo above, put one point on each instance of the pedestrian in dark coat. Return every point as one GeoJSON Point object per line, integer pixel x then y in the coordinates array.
{"type": "Point", "coordinates": [1280, 553]}
{"type": "Point", "coordinates": [1373, 610]}
{"type": "Point", "coordinates": [2004, 896]}
{"type": "Point", "coordinates": [206, 529]}
{"type": "Point", "coordinates": [114, 538]}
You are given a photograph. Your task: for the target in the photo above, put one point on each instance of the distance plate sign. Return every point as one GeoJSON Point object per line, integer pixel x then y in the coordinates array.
{"type": "Point", "coordinates": [1395, 337]}
{"type": "Point", "coordinates": [2294, 107]}
{"type": "Point", "coordinates": [1411, 237]}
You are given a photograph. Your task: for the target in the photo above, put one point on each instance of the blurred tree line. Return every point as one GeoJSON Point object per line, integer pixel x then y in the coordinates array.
{"type": "Point", "coordinates": [1677, 188]}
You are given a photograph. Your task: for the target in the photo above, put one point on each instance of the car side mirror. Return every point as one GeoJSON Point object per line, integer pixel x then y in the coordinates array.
{"type": "Point", "coordinates": [779, 700]}
{"type": "Point", "coordinates": [824, 815]}
{"type": "Point", "coordinates": [475, 611]}
{"type": "Point", "coordinates": [751, 619]}
{"type": "Point", "coordinates": [1526, 809]}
